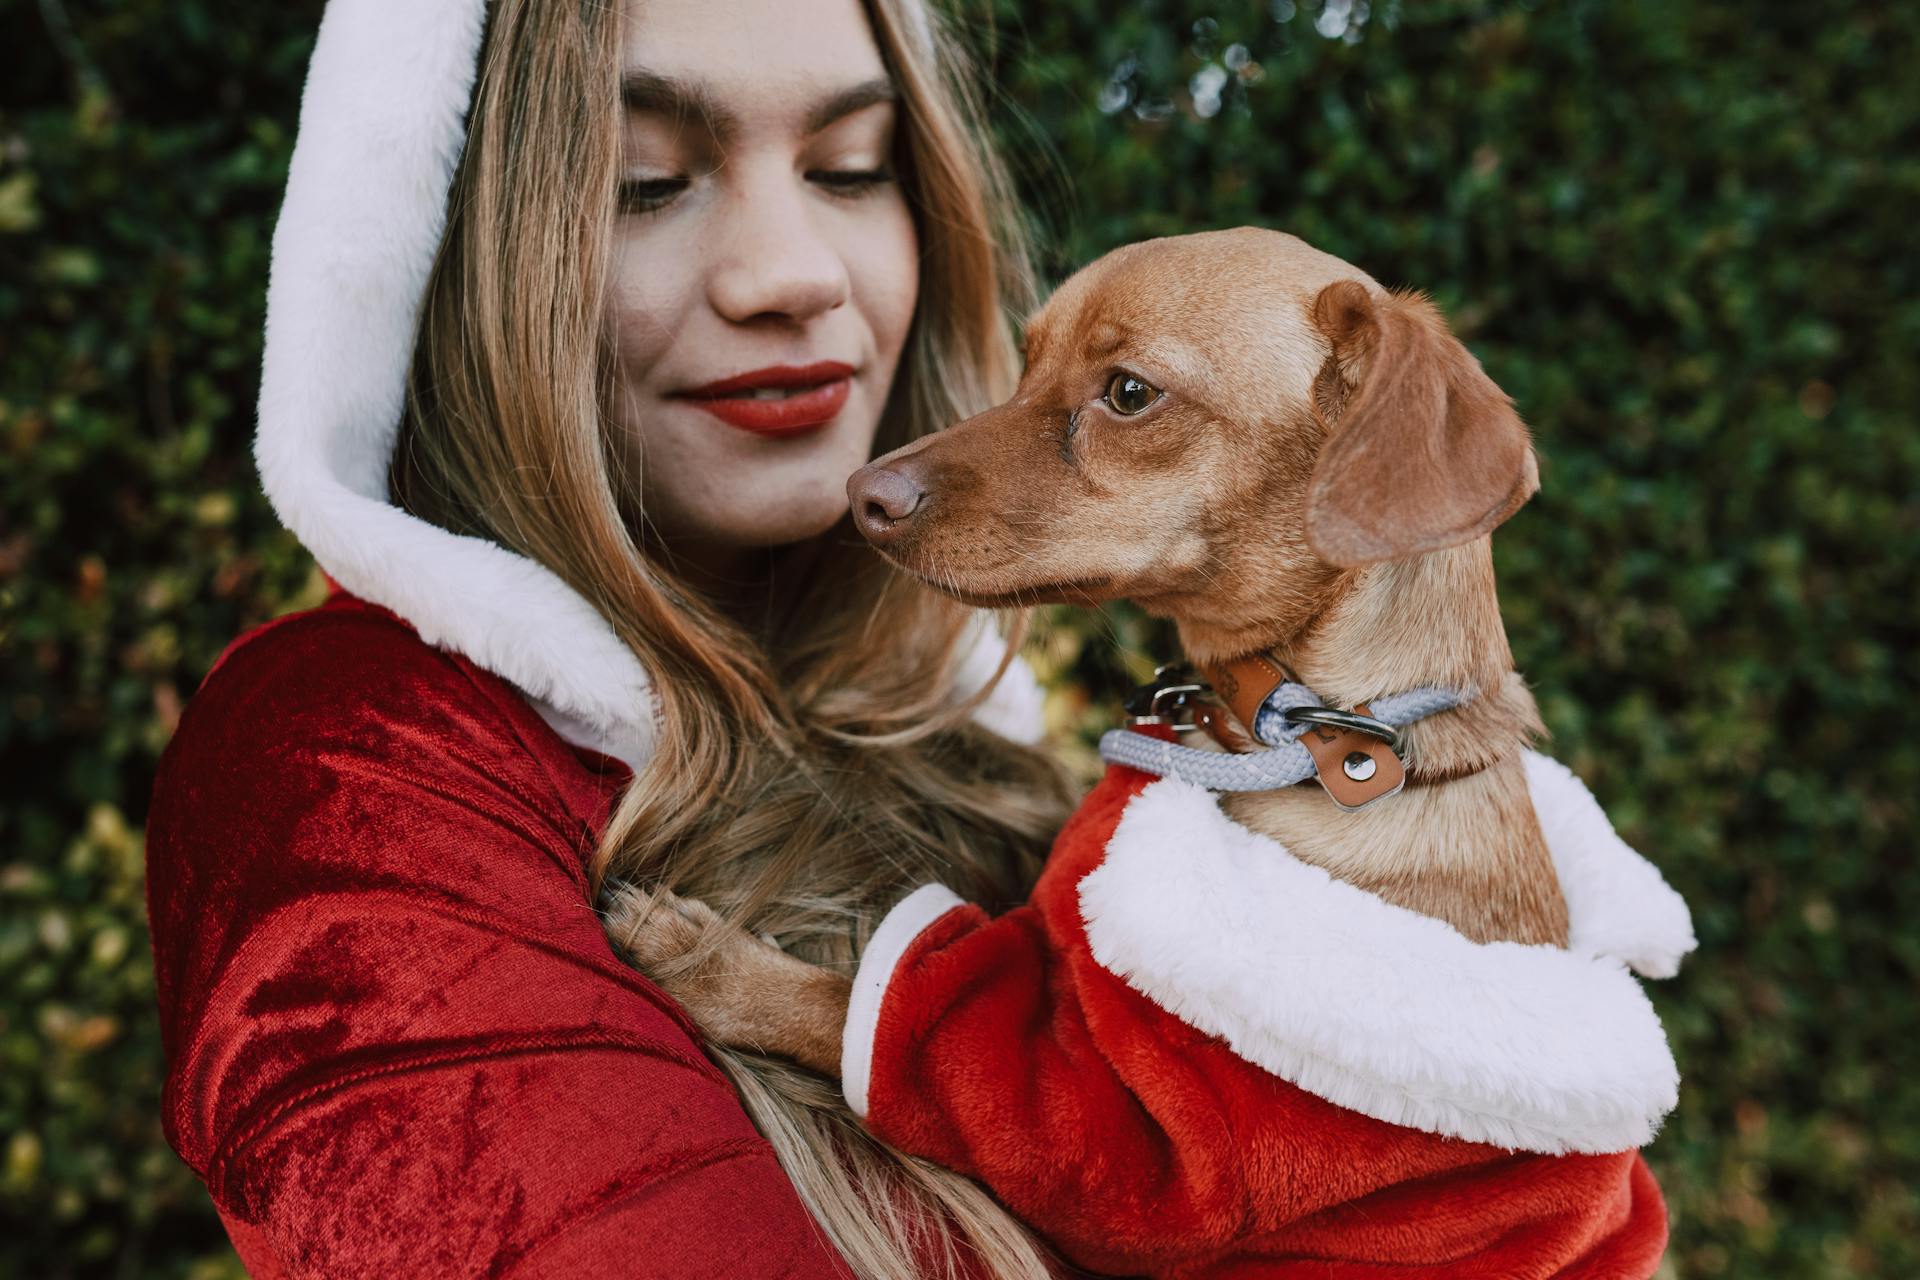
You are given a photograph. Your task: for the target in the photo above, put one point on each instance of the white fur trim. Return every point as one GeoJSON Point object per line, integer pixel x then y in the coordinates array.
{"type": "Point", "coordinates": [1617, 903]}
{"type": "Point", "coordinates": [625, 743]}
{"type": "Point", "coordinates": [1382, 1010]}
{"type": "Point", "coordinates": [382, 124]}
{"type": "Point", "coordinates": [898, 928]}
{"type": "Point", "coordinates": [1015, 709]}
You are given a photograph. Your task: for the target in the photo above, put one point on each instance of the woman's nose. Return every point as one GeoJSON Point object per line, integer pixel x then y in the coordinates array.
{"type": "Point", "coordinates": [774, 258]}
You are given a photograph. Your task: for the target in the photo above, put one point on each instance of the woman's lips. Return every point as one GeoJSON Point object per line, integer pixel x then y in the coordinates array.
{"type": "Point", "coordinates": [781, 400]}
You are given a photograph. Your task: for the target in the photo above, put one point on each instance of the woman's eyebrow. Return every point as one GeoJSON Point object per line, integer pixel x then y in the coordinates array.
{"type": "Point", "coordinates": [650, 91]}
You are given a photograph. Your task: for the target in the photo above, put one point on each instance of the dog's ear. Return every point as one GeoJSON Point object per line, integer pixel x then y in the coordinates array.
{"type": "Point", "coordinates": [1423, 451]}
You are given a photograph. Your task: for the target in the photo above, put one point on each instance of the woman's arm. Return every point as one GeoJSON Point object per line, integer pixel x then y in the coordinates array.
{"type": "Point", "coordinates": [398, 1041]}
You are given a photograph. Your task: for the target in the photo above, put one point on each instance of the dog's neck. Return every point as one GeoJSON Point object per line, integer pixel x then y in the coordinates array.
{"type": "Point", "coordinates": [1430, 620]}
{"type": "Point", "coordinates": [1462, 842]}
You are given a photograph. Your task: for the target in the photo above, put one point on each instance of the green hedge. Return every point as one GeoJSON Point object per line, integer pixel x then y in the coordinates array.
{"type": "Point", "coordinates": [1680, 235]}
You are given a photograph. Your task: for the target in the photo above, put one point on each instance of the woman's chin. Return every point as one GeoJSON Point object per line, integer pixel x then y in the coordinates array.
{"type": "Point", "coordinates": [761, 528]}
{"type": "Point", "coordinates": [802, 526]}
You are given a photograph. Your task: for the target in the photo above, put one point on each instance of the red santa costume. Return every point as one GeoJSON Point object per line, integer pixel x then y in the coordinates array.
{"type": "Point", "coordinates": [1194, 1055]}
{"type": "Point", "coordinates": [399, 1043]}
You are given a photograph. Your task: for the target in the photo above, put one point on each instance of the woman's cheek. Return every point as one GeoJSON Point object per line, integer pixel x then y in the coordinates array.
{"type": "Point", "coordinates": [641, 308]}
{"type": "Point", "coordinates": [640, 303]}
{"type": "Point", "coordinates": [885, 265]}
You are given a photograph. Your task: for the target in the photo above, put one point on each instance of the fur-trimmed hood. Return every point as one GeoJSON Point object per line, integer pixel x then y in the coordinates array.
{"type": "Point", "coordinates": [382, 126]}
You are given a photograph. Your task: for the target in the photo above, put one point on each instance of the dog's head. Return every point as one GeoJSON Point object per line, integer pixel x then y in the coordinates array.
{"type": "Point", "coordinates": [1196, 409]}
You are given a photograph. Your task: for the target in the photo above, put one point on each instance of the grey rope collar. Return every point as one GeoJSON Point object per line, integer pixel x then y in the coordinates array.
{"type": "Point", "coordinates": [1286, 761]}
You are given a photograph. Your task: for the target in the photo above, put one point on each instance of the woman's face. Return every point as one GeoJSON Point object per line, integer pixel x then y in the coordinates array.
{"type": "Point", "coordinates": [761, 232]}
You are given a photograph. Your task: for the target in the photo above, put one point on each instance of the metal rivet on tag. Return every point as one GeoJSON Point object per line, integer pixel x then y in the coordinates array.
{"type": "Point", "coordinates": [1352, 783]}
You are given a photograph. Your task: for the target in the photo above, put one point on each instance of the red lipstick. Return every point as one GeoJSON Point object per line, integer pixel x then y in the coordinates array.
{"type": "Point", "coordinates": [780, 400]}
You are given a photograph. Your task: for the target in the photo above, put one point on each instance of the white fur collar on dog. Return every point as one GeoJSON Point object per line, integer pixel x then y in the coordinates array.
{"type": "Point", "coordinates": [1391, 1013]}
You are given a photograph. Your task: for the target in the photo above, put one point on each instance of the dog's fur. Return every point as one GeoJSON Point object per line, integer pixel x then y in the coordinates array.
{"type": "Point", "coordinates": [1317, 480]}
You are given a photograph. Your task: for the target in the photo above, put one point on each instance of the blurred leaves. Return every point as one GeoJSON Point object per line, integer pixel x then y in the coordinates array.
{"type": "Point", "coordinates": [1679, 235]}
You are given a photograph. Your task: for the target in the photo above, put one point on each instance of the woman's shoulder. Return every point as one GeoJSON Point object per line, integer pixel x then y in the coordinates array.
{"type": "Point", "coordinates": [355, 676]}
{"type": "Point", "coordinates": [332, 751]}
{"type": "Point", "coordinates": [342, 660]}
{"type": "Point", "coordinates": [381, 981]}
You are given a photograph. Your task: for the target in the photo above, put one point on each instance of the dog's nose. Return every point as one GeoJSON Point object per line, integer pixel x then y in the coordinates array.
{"type": "Point", "coordinates": [882, 500]}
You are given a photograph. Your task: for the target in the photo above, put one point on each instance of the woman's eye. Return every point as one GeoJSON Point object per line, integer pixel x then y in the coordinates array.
{"type": "Point", "coordinates": [644, 195]}
{"type": "Point", "coordinates": [850, 182]}
{"type": "Point", "coordinates": [1128, 395]}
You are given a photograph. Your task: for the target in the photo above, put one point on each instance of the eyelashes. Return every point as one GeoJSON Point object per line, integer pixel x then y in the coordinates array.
{"type": "Point", "coordinates": [851, 181]}
{"type": "Point", "coordinates": [650, 195]}
{"type": "Point", "coordinates": [645, 195]}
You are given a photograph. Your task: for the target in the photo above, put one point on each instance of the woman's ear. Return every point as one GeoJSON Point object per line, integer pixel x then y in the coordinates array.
{"type": "Point", "coordinates": [1423, 450]}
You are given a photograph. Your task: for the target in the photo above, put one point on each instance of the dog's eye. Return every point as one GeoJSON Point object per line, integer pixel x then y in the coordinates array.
{"type": "Point", "coordinates": [1128, 395]}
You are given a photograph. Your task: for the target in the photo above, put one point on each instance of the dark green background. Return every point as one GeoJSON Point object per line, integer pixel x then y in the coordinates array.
{"type": "Point", "coordinates": [1680, 235]}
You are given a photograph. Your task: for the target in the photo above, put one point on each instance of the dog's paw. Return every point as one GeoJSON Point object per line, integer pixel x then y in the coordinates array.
{"type": "Point", "coordinates": [741, 988]}
{"type": "Point", "coordinates": [660, 931]}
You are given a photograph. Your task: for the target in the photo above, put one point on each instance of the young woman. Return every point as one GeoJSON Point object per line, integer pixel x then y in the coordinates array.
{"type": "Point", "coordinates": [580, 316]}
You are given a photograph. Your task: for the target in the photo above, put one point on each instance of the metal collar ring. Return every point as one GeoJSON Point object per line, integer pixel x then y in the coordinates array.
{"type": "Point", "coordinates": [1348, 720]}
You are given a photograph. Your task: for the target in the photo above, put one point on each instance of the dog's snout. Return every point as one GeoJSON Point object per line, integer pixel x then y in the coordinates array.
{"type": "Point", "coordinates": [882, 500]}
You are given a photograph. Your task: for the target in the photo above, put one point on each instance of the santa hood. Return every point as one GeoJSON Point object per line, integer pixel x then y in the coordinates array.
{"type": "Point", "coordinates": [382, 124]}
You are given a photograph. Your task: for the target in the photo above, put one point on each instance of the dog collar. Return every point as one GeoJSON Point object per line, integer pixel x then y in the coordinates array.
{"type": "Point", "coordinates": [1357, 754]}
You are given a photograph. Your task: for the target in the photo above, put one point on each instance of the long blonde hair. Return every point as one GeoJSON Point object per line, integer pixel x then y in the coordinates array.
{"type": "Point", "coordinates": [802, 780]}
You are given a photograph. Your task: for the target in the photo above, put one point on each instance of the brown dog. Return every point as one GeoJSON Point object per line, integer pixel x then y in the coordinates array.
{"type": "Point", "coordinates": [1258, 441]}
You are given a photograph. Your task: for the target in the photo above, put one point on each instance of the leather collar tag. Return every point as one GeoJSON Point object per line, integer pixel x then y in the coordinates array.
{"type": "Point", "coordinates": [1356, 768]}
{"type": "Point", "coordinates": [1244, 684]}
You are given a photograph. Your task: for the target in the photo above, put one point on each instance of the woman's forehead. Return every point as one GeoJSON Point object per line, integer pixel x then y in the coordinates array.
{"type": "Point", "coordinates": [807, 63]}
{"type": "Point", "coordinates": [809, 109]}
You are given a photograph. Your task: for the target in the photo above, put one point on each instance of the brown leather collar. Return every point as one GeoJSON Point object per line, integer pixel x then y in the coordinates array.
{"type": "Point", "coordinates": [1245, 683]}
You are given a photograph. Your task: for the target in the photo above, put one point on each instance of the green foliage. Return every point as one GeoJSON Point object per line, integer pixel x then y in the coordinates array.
{"type": "Point", "coordinates": [1677, 234]}
{"type": "Point", "coordinates": [142, 152]}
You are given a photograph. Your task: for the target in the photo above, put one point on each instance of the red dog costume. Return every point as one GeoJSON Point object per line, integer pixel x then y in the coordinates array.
{"type": "Point", "coordinates": [1349, 1089]}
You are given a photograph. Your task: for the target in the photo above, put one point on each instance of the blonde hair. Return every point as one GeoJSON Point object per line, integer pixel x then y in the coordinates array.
{"type": "Point", "coordinates": [802, 781]}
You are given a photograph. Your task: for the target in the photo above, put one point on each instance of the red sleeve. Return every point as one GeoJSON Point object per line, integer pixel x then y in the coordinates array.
{"type": "Point", "coordinates": [398, 1041]}
{"type": "Point", "coordinates": [1134, 1142]}
{"type": "Point", "coordinates": [1000, 1048]}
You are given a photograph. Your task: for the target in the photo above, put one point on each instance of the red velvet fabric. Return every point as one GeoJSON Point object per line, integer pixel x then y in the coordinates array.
{"type": "Point", "coordinates": [1138, 1144]}
{"type": "Point", "coordinates": [398, 1041]}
